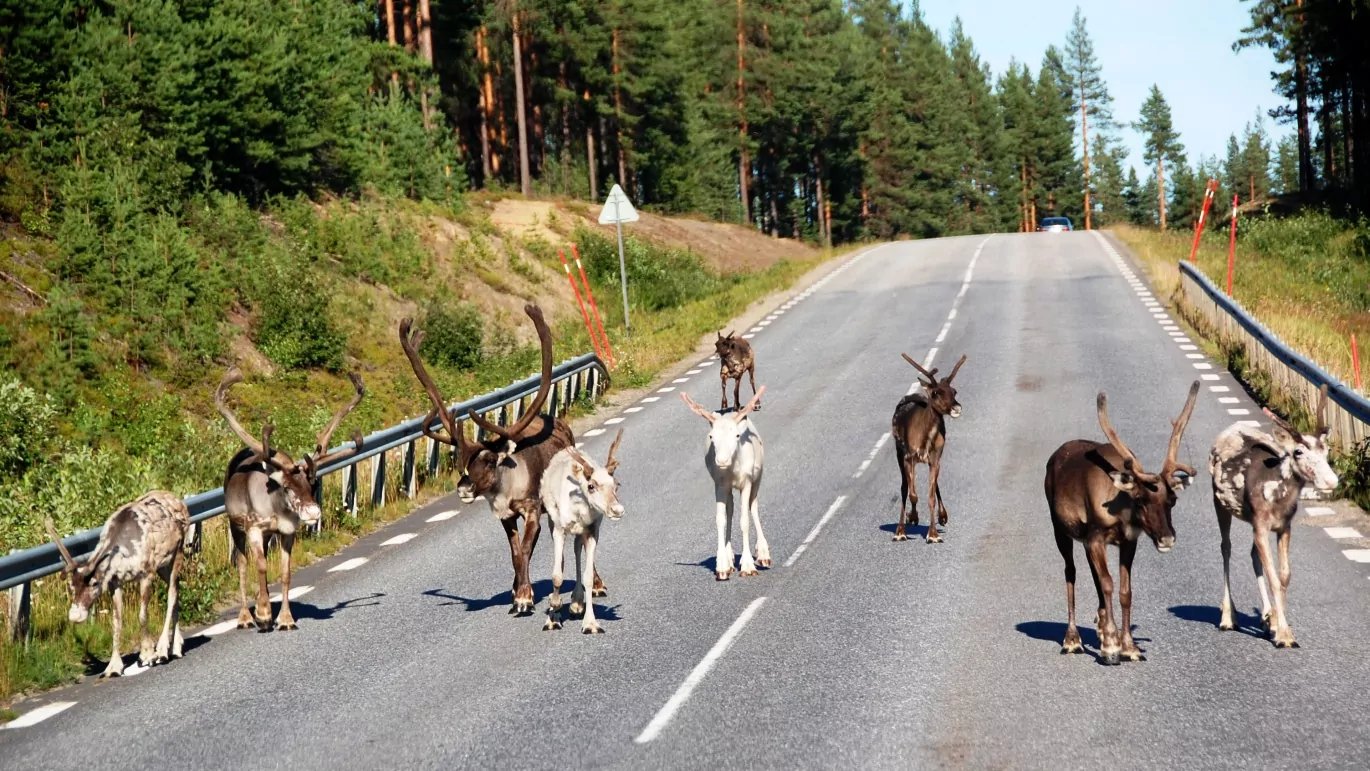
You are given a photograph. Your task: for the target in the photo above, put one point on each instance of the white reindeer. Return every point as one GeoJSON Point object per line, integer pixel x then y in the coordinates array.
{"type": "Point", "coordinates": [577, 494]}
{"type": "Point", "coordinates": [735, 458]}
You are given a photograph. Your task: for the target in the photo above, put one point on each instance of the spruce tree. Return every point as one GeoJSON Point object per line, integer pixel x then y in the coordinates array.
{"type": "Point", "coordinates": [1089, 95]}
{"type": "Point", "coordinates": [1160, 142]}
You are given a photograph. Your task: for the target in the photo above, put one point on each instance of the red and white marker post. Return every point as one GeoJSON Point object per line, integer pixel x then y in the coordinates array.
{"type": "Point", "coordinates": [593, 308]}
{"type": "Point", "coordinates": [583, 313]}
{"type": "Point", "coordinates": [1209, 191]}
{"type": "Point", "coordinates": [1232, 246]}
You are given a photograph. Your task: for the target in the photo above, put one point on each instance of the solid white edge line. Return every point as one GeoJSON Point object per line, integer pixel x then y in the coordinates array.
{"type": "Point", "coordinates": [443, 515]}
{"type": "Point", "coordinates": [36, 716]}
{"type": "Point", "coordinates": [697, 675]}
{"type": "Point", "coordinates": [399, 539]}
{"type": "Point", "coordinates": [351, 564]}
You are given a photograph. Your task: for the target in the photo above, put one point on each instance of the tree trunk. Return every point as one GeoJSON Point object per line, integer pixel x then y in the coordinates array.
{"type": "Point", "coordinates": [618, 117]}
{"type": "Point", "coordinates": [1023, 226]}
{"type": "Point", "coordinates": [565, 136]}
{"type": "Point", "coordinates": [426, 31]}
{"type": "Point", "coordinates": [1084, 144]}
{"type": "Point", "coordinates": [590, 152]}
{"type": "Point", "coordinates": [827, 222]}
{"type": "Point", "coordinates": [410, 35]}
{"type": "Point", "coordinates": [823, 233]}
{"type": "Point", "coordinates": [525, 181]}
{"type": "Point", "coordinates": [743, 164]}
{"type": "Point", "coordinates": [1160, 188]}
{"type": "Point", "coordinates": [1346, 137]}
{"type": "Point", "coordinates": [1301, 113]}
{"type": "Point", "coordinates": [487, 106]}
{"type": "Point", "coordinates": [390, 35]}
{"type": "Point", "coordinates": [1329, 159]}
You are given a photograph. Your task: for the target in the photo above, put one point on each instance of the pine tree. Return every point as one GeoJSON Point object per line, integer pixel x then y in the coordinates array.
{"type": "Point", "coordinates": [1136, 199]}
{"type": "Point", "coordinates": [1255, 161]}
{"type": "Point", "coordinates": [1161, 142]}
{"type": "Point", "coordinates": [1089, 95]}
{"type": "Point", "coordinates": [1287, 166]}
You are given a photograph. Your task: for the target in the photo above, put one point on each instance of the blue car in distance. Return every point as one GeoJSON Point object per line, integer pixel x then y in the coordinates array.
{"type": "Point", "coordinates": [1054, 225]}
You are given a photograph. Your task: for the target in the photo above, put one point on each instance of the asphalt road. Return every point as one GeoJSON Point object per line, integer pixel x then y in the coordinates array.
{"type": "Point", "coordinates": [864, 653]}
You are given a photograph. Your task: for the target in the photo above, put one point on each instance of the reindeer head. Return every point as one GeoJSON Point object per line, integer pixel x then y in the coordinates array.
{"type": "Point", "coordinates": [478, 462]}
{"type": "Point", "coordinates": [941, 395]}
{"type": "Point", "coordinates": [723, 346]}
{"type": "Point", "coordinates": [84, 592]}
{"type": "Point", "coordinates": [293, 481]}
{"type": "Point", "coordinates": [725, 429]}
{"type": "Point", "coordinates": [597, 484]}
{"type": "Point", "coordinates": [1305, 455]}
{"type": "Point", "coordinates": [1152, 496]}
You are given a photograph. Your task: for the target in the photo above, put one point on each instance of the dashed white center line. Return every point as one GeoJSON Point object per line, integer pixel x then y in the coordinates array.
{"type": "Point", "coordinates": [1219, 389]}
{"type": "Point", "coordinates": [1319, 511]}
{"type": "Point", "coordinates": [1228, 400]}
{"type": "Point", "coordinates": [351, 564]}
{"type": "Point", "coordinates": [681, 380]}
{"type": "Point", "coordinates": [669, 389]}
{"type": "Point", "coordinates": [748, 336]}
{"type": "Point", "coordinates": [1193, 355]}
{"type": "Point", "coordinates": [1239, 411]}
{"type": "Point", "coordinates": [631, 410]}
{"type": "Point", "coordinates": [1212, 377]}
{"type": "Point", "coordinates": [694, 372]}
{"type": "Point", "coordinates": [1189, 348]}
{"type": "Point", "coordinates": [443, 515]}
{"type": "Point", "coordinates": [1203, 365]}
{"type": "Point", "coordinates": [613, 421]}
{"type": "Point", "coordinates": [650, 399]}
{"type": "Point", "coordinates": [697, 675]}
{"type": "Point", "coordinates": [593, 432]}
{"type": "Point", "coordinates": [399, 539]}
{"type": "Point", "coordinates": [1356, 555]}
{"type": "Point", "coordinates": [1342, 532]}
{"type": "Point", "coordinates": [837, 504]}
{"type": "Point", "coordinates": [40, 714]}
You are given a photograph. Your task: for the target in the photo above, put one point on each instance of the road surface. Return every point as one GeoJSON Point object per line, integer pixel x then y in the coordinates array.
{"type": "Point", "coordinates": [855, 652]}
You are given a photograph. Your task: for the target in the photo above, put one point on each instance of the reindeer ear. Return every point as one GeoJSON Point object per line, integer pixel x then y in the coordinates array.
{"type": "Point", "coordinates": [1287, 441]}
{"type": "Point", "coordinates": [506, 453]}
{"type": "Point", "coordinates": [1123, 481]}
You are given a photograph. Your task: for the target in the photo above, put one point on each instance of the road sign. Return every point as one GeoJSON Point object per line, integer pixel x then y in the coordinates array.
{"type": "Point", "coordinates": [617, 208]}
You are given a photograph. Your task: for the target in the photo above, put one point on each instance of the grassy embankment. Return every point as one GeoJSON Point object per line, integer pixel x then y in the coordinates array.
{"type": "Point", "coordinates": [79, 446]}
{"type": "Point", "coordinates": [1306, 278]}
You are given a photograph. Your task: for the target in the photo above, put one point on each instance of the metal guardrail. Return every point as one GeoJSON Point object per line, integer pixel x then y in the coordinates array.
{"type": "Point", "coordinates": [1348, 412]}
{"type": "Point", "coordinates": [570, 380]}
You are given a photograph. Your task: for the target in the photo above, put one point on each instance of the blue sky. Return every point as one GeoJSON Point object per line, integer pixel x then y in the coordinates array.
{"type": "Point", "coordinates": [1183, 47]}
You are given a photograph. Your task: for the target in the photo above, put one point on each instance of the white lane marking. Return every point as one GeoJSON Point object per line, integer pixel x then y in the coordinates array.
{"type": "Point", "coordinates": [40, 714]}
{"type": "Point", "coordinates": [1211, 377]}
{"type": "Point", "coordinates": [614, 421]}
{"type": "Point", "coordinates": [951, 315]}
{"type": "Point", "coordinates": [297, 592]}
{"type": "Point", "coordinates": [1227, 399]}
{"type": "Point", "coordinates": [681, 380]}
{"type": "Point", "coordinates": [651, 399]}
{"type": "Point", "coordinates": [694, 372]}
{"type": "Point", "coordinates": [780, 312]}
{"type": "Point", "coordinates": [1252, 423]}
{"type": "Point", "coordinates": [1342, 532]}
{"type": "Point", "coordinates": [1194, 356]}
{"type": "Point", "coordinates": [1356, 555]}
{"type": "Point", "coordinates": [351, 564]}
{"type": "Point", "coordinates": [580, 445]}
{"type": "Point", "coordinates": [443, 515]}
{"type": "Point", "coordinates": [134, 669]}
{"type": "Point", "coordinates": [943, 334]}
{"type": "Point", "coordinates": [219, 628]}
{"type": "Point", "coordinates": [871, 457]}
{"type": "Point", "coordinates": [837, 504]}
{"type": "Point", "coordinates": [697, 675]}
{"type": "Point", "coordinates": [1203, 365]}
{"type": "Point", "coordinates": [632, 410]}
{"type": "Point", "coordinates": [772, 317]}
{"type": "Point", "coordinates": [748, 336]}
{"type": "Point", "coordinates": [593, 432]}
{"type": "Point", "coordinates": [1219, 389]}
{"type": "Point", "coordinates": [1189, 348]}
{"type": "Point", "coordinates": [666, 390]}
{"type": "Point", "coordinates": [1319, 511]}
{"type": "Point", "coordinates": [755, 329]}
{"type": "Point", "coordinates": [1239, 411]}
{"type": "Point", "coordinates": [1182, 339]}
{"type": "Point", "coordinates": [399, 539]}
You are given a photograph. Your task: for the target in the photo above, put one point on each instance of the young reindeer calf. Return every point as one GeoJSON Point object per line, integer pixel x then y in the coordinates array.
{"type": "Point", "coordinates": [735, 458]}
{"type": "Point", "coordinates": [1258, 478]}
{"type": "Point", "coordinates": [735, 359]}
{"type": "Point", "coordinates": [141, 540]}
{"type": "Point", "coordinates": [577, 494]}
{"type": "Point", "coordinates": [1098, 495]}
{"type": "Point", "coordinates": [919, 428]}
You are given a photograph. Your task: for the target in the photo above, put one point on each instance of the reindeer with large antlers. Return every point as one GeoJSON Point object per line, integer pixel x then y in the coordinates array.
{"type": "Point", "coordinates": [735, 457]}
{"type": "Point", "coordinates": [141, 540]}
{"type": "Point", "coordinates": [267, 494]}
{"type": "Point", "coordinates": [1257, 478]}
{"type": "Point", "coordinates": [1098, 495]}
{"type": "Point", "coordinates": [508, 464]}
{"type": "Point", "coordinates": [919, 428]}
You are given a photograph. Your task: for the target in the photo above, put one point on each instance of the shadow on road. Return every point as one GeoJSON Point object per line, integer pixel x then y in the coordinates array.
{"type": "Point", "coordinates": [304, 611]}
{"type": "Point", "coordinates": [504, 599]}
{"type": "Point", "coordinates": [1055, 631]}
{"type": "Point", "coordinates": [1211, 615]}
{"type": "Point", "coordinates": [914, 531]}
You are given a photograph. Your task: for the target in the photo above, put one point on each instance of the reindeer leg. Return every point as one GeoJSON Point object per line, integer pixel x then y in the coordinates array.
{"type": "Point", "coordinates": [145, 643]}
{"type": "Point", "coordinates": [116, 659]}
{"type": "Point", "coordinates": [1109, 646]}
{"type": "Point", "coordinates": [523, 596]}
{"type": "Point", "coordinates": [240, 560]}
{"type": "Point", "coordinates": [558, 566]}
{"type": "Point", "coordinates": [1228, 620]}
{"type": "Point", "coordinates": [934, 499]}
{"type": "Point", "coordinates": [578, 593]}
{"type": "Point", "coordinates": [904, 487]}
{"type": "Point", "coordinates": [263, 612]}
{"type": "Point", "coordinates": [1286, 573]}
{"type": "Point", "coordinates": [174, 605]}
{"type": "Point", "coordinates": [1284, 638]}
{"type": "Point", "coordinates": [751, 373]}
{"type": "Point", "coordinates": [744, 498]}
{"type": "Point", "coordinates": [737, 392]}
{"type": "Point", "coordinates": [723, 381]}
{"type": "Point", "coordinates": [285, 620]}
{"type": "Point", "coordinates": [763, 549]}
{"type": "Point", "coordinates": [1126, 551]}
{"type": "Point", "coordinates": [1071, 643]}
{"type": "Point", "coordinates": [1257, 536]}
{"type": "Point", "coordinates": [588, 624]}
{"type": "Point", "coordinates": [168, 574]}
{"type": "Point", "coordinates": [723, 559]}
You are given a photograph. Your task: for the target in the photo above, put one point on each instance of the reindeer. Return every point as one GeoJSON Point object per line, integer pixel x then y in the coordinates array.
{"type": "Point", "coordinates": [919, 428]}
{"type": "Point", "coordinates": [508, 465]}
{"type": "Point", "coordinates": [577, 494]}
{"type": "Point", "coordinates": [1098, 495]}
{"type": "Point", "coordinates": [142, 539]}
{"type": "Point", "coordinates": [266, 494]}
{"type": "Point", "coordinates": [735, 458]}
{"type": "Point", "coordinates": [1257, 478]}
{"type": "Point", "coordinates": [735, 357]}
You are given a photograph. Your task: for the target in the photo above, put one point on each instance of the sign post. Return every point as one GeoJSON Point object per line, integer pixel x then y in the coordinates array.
{"type": "Point", "coordinates": [618, 210]}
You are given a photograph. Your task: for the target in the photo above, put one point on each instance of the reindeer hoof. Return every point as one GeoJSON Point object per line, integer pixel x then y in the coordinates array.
{"type": "Point", "coordinates": [723, 575]}
{"type": "Point", "coordinates": [1133, 654]}
{"type": "Point", "coordinates": [748, 573]}
{"type": "Point", "coordinates": [1069, 648]}
{"type": "Point", "coordinates": [591, 628]}
{"type": "Point", "coordinates": [577, 609]}
{"type": "Point", "coordinates": [763, 564]}
{"type": "Point", "coordinates": [1286, 644]}
{"type": "Point", "coordinates": [286, 626]}
{"type": "Point", "coordinates": [600, 592]}
{"type": "Point", "coordinates": [1109, 657]}
{"type": "Point", "coordinates": [1226, 626]}
{"type": "Point", "coordinates": [108, 674]}
{"type": "Point", "coordinates": [551, 624]}
{"type": "Point", "coordinates": [934, 538]}
{"type": "Point", "coordinates": [900, 537]}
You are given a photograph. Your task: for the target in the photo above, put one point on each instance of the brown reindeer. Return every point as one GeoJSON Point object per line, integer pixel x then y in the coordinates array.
{"type": "Point", "coordinates": [1098, 495]}
{"type": "Point", "coordinates": [735, 358]}
{"type": "Point", "coordinates": [920, 430]}
{"type": "Point", "coordinates": [141, 540]}
{"type": "Point", "coordinates": [266, 494]}
{"type": "Point", "coordinates": [1257, 478]}
{"type": "Point", "coordinates": [506, 466]}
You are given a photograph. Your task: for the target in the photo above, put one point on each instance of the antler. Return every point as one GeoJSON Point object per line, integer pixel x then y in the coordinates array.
{"type": "Point", "coordinates": [955, 369]}
{"type": "Point", "coordinates": [751, 405]}
{"type": "Point", "coordinates": [929, 375]}
{"type": "Point", "coordinates": [544, 387]}
{"type": "Point", "coordinates": [612, 463]}
{"type": "Point", "coordinates": [321, 449]}
{"type": "Point", "coordinates": [57, 539]}
{"type": "Point", "coordinates": [698, 410]}
{"type": "Point", "coordinates": [231, 378]}
{"type": "Point", "coordinates": [410, 339]}
{"type": "Point", "coordinates": [1130, 461]}
{"type": "Point", "coordinates": [1172, 463]}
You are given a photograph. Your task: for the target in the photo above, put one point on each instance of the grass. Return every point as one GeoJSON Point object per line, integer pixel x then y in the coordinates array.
{"type": "Point", "coordinates": [672, 309]}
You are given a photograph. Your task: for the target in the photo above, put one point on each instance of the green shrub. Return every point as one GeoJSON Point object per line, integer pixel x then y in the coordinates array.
{"type": "Point", "coordinates": [657, 278]}
{"type": "Point", "coordinates": [294, 328]}
{"type": "Point", "coordinates": [453, 334]}
{"type": "Point", "coordinates": [26, 425]}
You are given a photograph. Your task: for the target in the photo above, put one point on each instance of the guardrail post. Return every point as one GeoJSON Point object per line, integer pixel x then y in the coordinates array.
{"type": "Point", "coordinates": [411, 469]}
{"type": "Point", "coordinates": [192, 539]}
{"type": "Point", "coordinates": [20, 606]}
{"type": "Point", "coordinates": [350, 489]}
{"type": "Point", "coordinates": [435, 454]}
{"type": "Point", "coordinates": [378, 480]}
